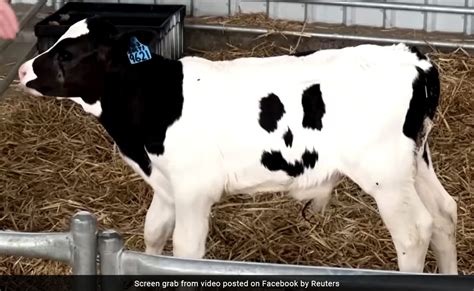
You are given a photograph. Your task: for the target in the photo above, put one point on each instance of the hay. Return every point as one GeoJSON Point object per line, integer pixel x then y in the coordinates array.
{"type": "Point", "coordinates": [56, 160]}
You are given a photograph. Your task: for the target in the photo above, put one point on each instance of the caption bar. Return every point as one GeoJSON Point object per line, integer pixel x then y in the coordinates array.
{"type": "Point", "coordinates": [239, 284]}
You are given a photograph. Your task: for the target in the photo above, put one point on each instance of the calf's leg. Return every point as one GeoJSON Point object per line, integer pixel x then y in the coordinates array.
{"type": "Point", "coordinates": [159, 223]}
{"type": "Point", "coordinates": [193, 202]}
{"type": "Point", "coordinates": [409, 223]}
{"type": "Point", "coordinates": [192, 226]}
{"type": "Point", "coordinates": [443, 208]}
{"type": "Point", "coordinates": [387, 173]}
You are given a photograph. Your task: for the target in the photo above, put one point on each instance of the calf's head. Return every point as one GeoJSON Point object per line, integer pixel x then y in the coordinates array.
{"type": "Point", "coordinates": [76, 65]}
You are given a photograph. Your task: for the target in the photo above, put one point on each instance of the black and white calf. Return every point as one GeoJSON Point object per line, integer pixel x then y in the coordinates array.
{"type": "Point", "coordinates": [195, 129]}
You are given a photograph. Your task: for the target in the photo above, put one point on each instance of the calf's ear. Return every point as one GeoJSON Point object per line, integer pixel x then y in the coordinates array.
{"type": "Point", "coordinates": [117, 47]}
{"type": "Point", "coordinates": [103, 34]}
{"type": "Point", "coordinates": [101, 30]}
{"type": "Point", "coordinates": [145, 37]}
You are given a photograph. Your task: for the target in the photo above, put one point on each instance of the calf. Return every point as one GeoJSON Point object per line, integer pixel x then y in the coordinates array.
{"type": "Point", "coordinates": [195, 129]}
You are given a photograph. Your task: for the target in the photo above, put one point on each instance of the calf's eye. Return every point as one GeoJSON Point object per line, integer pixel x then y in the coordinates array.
{"type": "Point", "coordinates": [64, 56]}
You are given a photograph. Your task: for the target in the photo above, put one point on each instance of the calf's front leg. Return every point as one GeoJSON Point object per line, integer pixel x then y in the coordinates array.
{"type": "Point", "coordinates": [192, 208]}
{"type": "Point", "coordinates": [159, 223]}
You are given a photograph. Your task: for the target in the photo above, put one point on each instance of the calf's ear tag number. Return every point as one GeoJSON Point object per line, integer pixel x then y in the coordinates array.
{"type": "Point", "coordinates": [138, 52]}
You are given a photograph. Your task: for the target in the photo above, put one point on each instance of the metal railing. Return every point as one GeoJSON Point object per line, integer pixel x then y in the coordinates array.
{"type": "Point", "coordinates": [80, 246]}
{"type": "Point", "coordinates": [83, 247]}
{"type": "Point", "coordinates": [76, 248]}
{"type": "Point", "coordinates": [425, 8]}
{"type": "Point", "coordinates": [116, 260]}
{"type": "Point", "coordinates": [335, 36]}
{"type": "Point", "coordinates": [384, 5]}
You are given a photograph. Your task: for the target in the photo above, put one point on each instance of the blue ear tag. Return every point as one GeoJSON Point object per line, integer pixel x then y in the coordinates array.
{"type": "Point", "coordinates": [138, 52]}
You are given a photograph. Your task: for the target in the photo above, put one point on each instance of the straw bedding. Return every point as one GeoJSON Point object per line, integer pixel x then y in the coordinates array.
{"type": "Point", "coordinates": [56, 160]}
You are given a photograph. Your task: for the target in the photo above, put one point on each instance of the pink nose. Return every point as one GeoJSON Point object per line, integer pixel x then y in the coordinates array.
{"type": "Point", "coordinates": [22, 72]}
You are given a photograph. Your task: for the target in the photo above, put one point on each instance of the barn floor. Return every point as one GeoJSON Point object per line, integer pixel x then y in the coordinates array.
{"type": "Point", "coordinates": [56, 160]}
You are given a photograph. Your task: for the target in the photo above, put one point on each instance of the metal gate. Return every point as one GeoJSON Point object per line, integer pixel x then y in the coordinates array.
{"type": "Point", "coordinates": [84, 247]}
{"type": "Point", "coordinates": [76, 248]}
{"type": "Point", "coordinates": [80, 247]}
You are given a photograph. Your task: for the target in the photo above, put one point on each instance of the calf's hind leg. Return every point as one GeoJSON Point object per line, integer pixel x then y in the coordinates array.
{"type": "Point", "coordinates": [443, 208]}
{"type": "Point", "coordinates": [409, 223]}
{"type": "Point", "coordinates": [390, 180]}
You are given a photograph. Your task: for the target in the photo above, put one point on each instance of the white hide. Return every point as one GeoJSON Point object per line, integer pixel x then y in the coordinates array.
{"type": "Point", "coordinates": [216, 145]}
{"type": "Point", "coordinates": [94, 109]}
{"type": "Point", "coordinates": [366, 91]}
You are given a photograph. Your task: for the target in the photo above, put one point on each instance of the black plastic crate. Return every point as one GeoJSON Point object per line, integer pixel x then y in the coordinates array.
{"type": "Point", "coordinates": [166, 20]}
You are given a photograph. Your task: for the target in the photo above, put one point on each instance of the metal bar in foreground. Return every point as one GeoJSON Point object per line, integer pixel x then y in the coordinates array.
{"type": "Point", "coordinates": [51, 246]}
{"type": "Point", "coordinates": [117, 261]}
{"type": "Point", "coordinates": [76, 247]}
